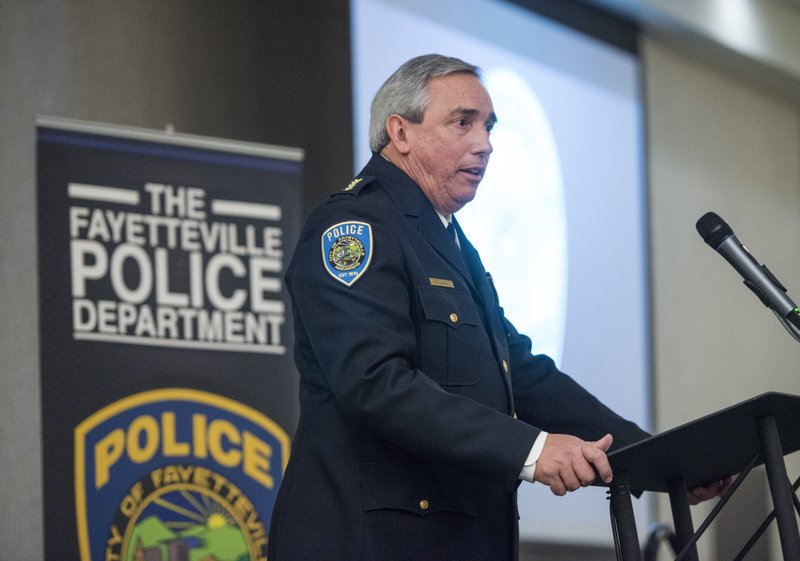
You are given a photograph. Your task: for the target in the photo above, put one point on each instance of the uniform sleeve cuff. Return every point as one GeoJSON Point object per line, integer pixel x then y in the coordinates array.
{"type": "Point", "coordinates": [529, 469]}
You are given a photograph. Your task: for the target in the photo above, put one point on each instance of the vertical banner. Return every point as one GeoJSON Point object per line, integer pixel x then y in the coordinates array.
{"type": "Point", "coordinates": [168, 387]}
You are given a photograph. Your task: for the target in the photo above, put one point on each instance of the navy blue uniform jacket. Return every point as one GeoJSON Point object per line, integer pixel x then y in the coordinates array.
{"type": "Point", "coordinates": [407, 446]}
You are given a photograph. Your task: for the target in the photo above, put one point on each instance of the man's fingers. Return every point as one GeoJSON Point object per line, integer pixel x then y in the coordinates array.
{"type": "Point", "coordinates": [726, 483]}
{"type": "Point", "coordinates": [595, 453]}
{"type": "Point", "coordinates": [568, 463]}
{"type": "Point", "coordinates": [700, 494]}
{"type": "Point", "coordinates": [570, 479]}
{"type": "Point", "coordinates": [557, 487]}
{"type": "Point", "coordinates": [585, 473]}
{"type": "Point", "coordinates": [604, 443]}
{"type": "Point", "coordinates": [706, 492]}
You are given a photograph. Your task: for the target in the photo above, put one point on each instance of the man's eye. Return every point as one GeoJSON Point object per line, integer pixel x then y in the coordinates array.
{"type": "Point", "coordinates": [462, 122]}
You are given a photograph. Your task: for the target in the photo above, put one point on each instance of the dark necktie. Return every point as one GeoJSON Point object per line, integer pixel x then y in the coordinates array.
{"type": "Point", "coordinates": [451, 229]}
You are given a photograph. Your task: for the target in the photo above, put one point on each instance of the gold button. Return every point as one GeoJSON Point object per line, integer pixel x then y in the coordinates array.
{"type": "Point", "coordinates": [454, 317]}
{"type": "Point", "coordinates": [505, 366]}
{"type": "Point", "coordinates": [423, 504]}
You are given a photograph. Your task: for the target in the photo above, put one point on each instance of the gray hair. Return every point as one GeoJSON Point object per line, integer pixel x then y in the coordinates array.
{"type": "Point", "coordinates": [405, 93]}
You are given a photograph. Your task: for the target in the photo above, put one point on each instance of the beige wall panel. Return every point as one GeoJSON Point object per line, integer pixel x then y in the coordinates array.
{"type": "Point", "coordinates": [717, 143]}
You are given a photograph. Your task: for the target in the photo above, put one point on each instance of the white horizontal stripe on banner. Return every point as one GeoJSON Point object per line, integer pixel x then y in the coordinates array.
{"type": "Point", "coordinates": [176, 343]}
{"type": "Point", "coordinates": [104, 194]}
{"type": "Point", "coordinates": [246, 210]}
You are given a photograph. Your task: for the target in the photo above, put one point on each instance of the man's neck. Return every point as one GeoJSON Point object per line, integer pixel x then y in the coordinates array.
{"type": "Point", "coordinates": [395, 158]}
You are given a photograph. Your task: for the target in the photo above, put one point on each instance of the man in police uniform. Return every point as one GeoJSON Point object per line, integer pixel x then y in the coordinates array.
{"type": "Point", "coordinates": [422, 408]}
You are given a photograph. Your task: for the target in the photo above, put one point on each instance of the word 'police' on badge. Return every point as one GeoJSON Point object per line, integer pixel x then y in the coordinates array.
{"type": "Point", "coordinates": [347, 250]}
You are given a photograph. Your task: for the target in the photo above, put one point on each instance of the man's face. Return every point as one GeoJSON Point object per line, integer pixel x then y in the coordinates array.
{"type": "Point", "coordinates": [449, 149]}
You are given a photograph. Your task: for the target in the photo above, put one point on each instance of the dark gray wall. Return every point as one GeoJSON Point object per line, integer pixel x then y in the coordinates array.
{"type": "Point", "coordinates": [272, 72]}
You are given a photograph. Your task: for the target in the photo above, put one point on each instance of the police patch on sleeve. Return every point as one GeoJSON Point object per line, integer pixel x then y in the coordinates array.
{"type": "Point", "coordinates": [347, 250]}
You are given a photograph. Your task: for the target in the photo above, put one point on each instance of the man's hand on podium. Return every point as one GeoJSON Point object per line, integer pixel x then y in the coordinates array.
{"type": "Point", "coordinates": [709, 491]}
{"type": "Point", "coordinates": [566, 461]}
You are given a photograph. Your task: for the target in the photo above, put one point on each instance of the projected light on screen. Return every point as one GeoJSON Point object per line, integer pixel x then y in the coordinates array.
{"type": "Point", "coordinates": [523, 192]}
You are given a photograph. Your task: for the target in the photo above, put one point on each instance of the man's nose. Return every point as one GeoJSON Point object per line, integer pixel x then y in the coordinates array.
{"type": "Point", "coordinates": [483, 143]}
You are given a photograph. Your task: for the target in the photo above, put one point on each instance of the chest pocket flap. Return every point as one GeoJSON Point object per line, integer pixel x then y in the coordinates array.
{"type": "Point", "coordinates": [452, 340]}
{"type": "Point", "coordinates": [449, 306]}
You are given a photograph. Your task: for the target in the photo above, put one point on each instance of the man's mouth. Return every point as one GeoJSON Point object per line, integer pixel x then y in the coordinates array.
{"type": "Point", "coordinates": [476, 172]}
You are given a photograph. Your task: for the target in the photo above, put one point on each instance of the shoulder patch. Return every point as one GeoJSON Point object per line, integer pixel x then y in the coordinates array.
{"type": "Point", "coordinates": [355, 186]}
{"type": "Point", "coordinates": [347, 250]}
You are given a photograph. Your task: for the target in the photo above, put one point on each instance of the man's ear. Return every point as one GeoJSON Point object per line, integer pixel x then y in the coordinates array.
{"type": "Point", "coordinates": [396, 128]}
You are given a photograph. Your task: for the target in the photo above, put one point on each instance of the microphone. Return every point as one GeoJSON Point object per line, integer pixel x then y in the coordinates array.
{"type": "Point", "coordinates": [716, 233]}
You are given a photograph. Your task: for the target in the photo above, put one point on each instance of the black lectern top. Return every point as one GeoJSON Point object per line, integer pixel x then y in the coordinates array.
{"type": "Point", "coordinates": [709, 448]}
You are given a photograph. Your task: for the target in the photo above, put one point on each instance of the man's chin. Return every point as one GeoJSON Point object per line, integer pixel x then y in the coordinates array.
{"type": "Point", "coordinates": [462, 201]}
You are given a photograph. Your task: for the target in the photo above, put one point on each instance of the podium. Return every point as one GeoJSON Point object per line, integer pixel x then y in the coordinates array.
{"type": "Point", "coordinates": [761, 430]}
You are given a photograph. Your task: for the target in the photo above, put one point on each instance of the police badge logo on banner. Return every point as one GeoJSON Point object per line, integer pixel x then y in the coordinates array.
{"type": "Point", "coordinates": [347, 250]}
{"type": "Point", "coordinates": [177, 474]}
